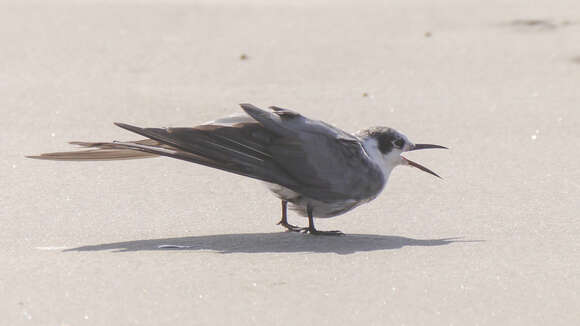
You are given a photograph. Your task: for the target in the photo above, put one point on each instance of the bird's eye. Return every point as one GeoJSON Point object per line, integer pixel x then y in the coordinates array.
{"type": "Point", "coordinates": [400, 143]}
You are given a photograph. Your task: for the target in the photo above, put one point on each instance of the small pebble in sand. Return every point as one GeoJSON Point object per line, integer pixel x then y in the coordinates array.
{"type": "Point", "coordinates": [428, 34]}
{"type": "Point", "coordinates": [243, 56]}
{"type": "Point", "coordinates": [531, 24]}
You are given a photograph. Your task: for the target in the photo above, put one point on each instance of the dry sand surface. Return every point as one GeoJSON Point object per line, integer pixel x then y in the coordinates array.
{"type": "Point", "coordinates": [496, 242]}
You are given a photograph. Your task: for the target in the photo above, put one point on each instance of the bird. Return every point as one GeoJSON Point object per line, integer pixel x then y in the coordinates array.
{"type": "Point", "coordinates": [314, 168]}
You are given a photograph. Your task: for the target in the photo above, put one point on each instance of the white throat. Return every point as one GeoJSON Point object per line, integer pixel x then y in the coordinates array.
{"type": "Point", "coordinates": [386, 162]}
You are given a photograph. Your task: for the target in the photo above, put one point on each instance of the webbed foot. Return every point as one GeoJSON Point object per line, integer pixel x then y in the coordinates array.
{"type": "Point", "coordinates": [314, 231]}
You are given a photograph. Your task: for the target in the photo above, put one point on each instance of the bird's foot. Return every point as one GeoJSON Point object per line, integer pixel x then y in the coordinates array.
{"type": "Point", "coordinates": [289, 227]}
{"type": "Point", "coordinates": [314, 231]}
{"type": "Point", "coordinates": [310, 230]}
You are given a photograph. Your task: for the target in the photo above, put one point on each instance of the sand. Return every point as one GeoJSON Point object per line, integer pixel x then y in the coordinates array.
{"type": "Point", "coordinates": [164, 242]}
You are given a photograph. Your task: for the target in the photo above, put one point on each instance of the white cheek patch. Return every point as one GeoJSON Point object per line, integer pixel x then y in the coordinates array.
{"type": "Point", "coordinates": [386, 162]}
{"type": "Point", "coordinates": [393, 158]}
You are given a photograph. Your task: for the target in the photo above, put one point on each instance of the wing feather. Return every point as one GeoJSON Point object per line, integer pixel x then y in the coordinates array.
{"type": "Point", "coordinates": [278, 146]}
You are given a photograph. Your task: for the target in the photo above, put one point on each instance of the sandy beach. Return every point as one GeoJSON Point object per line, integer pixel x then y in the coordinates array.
{"type": "Point", "coordinates": [165, 242]}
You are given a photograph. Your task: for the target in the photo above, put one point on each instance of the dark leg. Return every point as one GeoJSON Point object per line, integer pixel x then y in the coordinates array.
{"type": "Point", "coordinates": [284, 221]}
{"type": "Point", "coordinates": [312, 230]}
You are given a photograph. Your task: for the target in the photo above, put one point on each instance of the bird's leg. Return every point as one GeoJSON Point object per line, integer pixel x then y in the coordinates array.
{"type": "Point", "coordinates": [312, 230]}
{"type": "Point", "coordinates": [284, 221]}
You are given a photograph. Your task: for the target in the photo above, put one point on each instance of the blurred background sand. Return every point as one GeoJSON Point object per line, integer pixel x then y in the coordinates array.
{"type": "Point", "coordinates": [494, 243]}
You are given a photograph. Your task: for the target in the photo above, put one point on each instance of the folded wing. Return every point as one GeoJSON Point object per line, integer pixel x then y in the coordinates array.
{"type": "Point", "coordinates": [278, 146]}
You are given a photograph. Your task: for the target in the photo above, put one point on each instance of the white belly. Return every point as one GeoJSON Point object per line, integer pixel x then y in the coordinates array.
{"type": "Point", "coordinates": [299, 203]}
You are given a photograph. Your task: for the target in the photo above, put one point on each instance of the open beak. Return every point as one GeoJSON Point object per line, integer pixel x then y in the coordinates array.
{"type": "Point", "coordinates": [417, 165]}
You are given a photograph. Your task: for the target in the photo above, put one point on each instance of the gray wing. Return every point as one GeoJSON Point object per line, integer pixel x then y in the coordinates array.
{"type": "Point", "coordinates": [326, 162]}
{"type": "Point", "coordinates": [279, 146]}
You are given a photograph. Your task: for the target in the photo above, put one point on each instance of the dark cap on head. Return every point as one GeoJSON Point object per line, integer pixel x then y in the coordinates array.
{"type": "Point", "coordinates": [387, 138]}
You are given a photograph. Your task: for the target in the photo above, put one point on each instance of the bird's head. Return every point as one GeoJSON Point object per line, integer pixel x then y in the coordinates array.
{"type": "Point", "coordinates": [385, 146]}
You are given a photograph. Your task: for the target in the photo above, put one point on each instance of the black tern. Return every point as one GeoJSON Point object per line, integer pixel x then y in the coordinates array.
{"type": "Point", "coordinates": [319, 170]}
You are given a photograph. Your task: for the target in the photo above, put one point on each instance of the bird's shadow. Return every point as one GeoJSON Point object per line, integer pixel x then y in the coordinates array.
{"type": "Point", "coordinates": [283, 242]}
